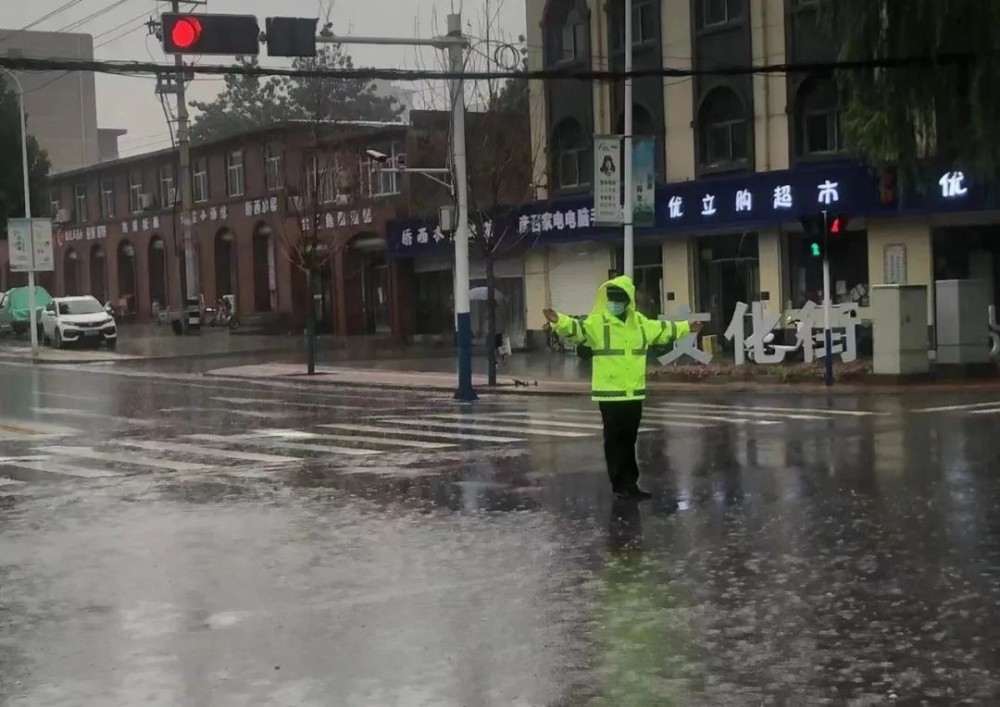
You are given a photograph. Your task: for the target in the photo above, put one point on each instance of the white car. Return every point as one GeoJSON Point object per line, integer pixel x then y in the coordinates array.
{"type": "Point", "coordinates": [71, 320]}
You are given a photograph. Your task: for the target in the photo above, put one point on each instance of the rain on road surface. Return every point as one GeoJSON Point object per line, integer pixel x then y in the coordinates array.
{"type": "Point", "coordinates": [172, 539]}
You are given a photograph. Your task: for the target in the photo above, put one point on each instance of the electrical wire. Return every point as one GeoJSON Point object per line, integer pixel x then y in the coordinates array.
{"type": "Point", "coordinates": [123, 24]}
{"type": "Point", "coordinates": [62, 8]}
{"type": "Point", "coordinates": [92, 16]}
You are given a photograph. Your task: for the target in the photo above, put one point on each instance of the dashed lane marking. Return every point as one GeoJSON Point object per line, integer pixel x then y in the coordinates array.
{"type": "Point", "coordinates": [385, 430]}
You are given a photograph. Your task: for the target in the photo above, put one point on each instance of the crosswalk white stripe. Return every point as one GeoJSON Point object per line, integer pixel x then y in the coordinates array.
{"type": "Point", "coordinates": [128, 459]}
{"type": "Point", "coordinates": [260, 414]}
{"type": "Point", "coordinates": [754, 408]}
{"type": "Point", "coordinates": [375, 429]}
{"type": "Point", "coordinates": [11, 482]}
{"type": "Point", "coordinates": [286, 403]}
{"type": "Point", "coordinates": [742, 413]}
{"type": "Point", "coordinates": [709, 418]}
{"type": "Point", "coordinates": [313, 436]}
{"type": "Point", "coordinates": [520, 416]}
{"type": "Point", "coordinates": [988, 411]}
{"type": "Point", "coordinates": [955, 408]}
{"type": "Point", "coordinates": [198, 450]}
{"type": "Point", "coordinates": [94, 415]}
{"type": "Point", "coordinates": [68, 470]}
{"type": "Point", "coordinates": [488, 427]}
{"type": "Point", "coordinates": [277, 443]}
{"type": "Point", "coordinates": [660, 422]}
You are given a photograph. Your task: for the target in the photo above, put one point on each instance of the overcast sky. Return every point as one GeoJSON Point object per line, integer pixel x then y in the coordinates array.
{"type": "Point", "coordinates": [129, 103]}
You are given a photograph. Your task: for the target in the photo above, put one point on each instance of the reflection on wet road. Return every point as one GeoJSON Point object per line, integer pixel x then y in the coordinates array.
{"type": "Point", "coordinates": [171, 539]}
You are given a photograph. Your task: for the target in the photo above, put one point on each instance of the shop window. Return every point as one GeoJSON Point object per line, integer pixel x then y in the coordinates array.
{"type": "Point", "coordinates": [135, 192]}
{"type": "Point", "coordinates": [571, 151]}
{"type": "Point", "coordinates": [168, 188]}
{"type": "Point", "coordinates": [234, 173]}
{"type": "Point", "coordinates": [567, 33]}
{"type": "Point", "coordinates": [199, 180]}
{"type": "Point", "coordinates": [435, 302]}
{"type": "Point", "coordinates": [80, 203]}
{"type": "Point", "coordinates": [572, 45]}
{"type": "Point", "coordinates": [107, 198]}
{"type": "Point", "coordinates": [647, 277]}
{"type": "Point", "coordinates": [274, 173]}
{"type": "Point", "coordinates": [712, 13]}
{"type": "Point", "coordinates": [723, 131]}
{"type": "Point", "coordinates": [644, 23]}
{"type": "Point", "coordinates": [818, 119]}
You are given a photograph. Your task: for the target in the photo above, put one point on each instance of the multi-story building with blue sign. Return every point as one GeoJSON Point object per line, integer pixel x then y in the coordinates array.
{"type": "Point", "coordinates": [739, 161]}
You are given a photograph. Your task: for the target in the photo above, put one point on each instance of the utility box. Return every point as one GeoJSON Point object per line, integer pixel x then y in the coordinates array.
{"type": "Point", "coordinates": [962, 319]}
{"type": "Point", "coordinates": [900, 330]}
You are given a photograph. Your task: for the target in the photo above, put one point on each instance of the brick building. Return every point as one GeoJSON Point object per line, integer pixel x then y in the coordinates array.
{"type": "Point", "coordinates": [118, 226]}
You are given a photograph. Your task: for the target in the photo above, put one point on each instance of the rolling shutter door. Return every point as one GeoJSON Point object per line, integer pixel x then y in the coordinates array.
{"type": "Point", "coordinates": [575, 272]}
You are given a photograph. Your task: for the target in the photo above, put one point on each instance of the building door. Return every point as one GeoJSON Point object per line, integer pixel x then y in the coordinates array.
{"type": "Point", "coordinates": [729, 272]}
{"type": "Point", "coordinates": [263, 271]}
{"type": "Point", "coordinates": [98, 288]}
{"type": "Point", "coordinates": [71, 274]}
{"type": "Point", "coordinates": [225, 265]}
{"type": "Point", "coordinates": [375, 290]}
{"type": "Point", "coordinates": [157, 275]}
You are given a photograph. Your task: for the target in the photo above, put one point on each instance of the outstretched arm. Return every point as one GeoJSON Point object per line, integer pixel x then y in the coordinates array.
{"type": "Point", "coordinates": [661, 333]}
{"type": "Point", "coordinates": [567, 327]}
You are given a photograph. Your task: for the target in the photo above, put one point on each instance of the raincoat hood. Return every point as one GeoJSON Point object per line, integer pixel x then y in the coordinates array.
{"type": "Point", "coordinates": [623, 282]}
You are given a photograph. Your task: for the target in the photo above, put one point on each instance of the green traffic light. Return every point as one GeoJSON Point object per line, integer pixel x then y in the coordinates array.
{"type": "Point", "coordinates": [814, 250]}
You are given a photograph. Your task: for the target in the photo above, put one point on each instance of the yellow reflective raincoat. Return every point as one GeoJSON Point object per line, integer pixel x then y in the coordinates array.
{"type": "Point", "coordinates": [619, 363]}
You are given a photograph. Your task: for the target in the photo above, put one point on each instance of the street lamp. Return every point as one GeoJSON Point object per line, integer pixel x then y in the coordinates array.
{"type": "Point", "coordinates": [27, 207]}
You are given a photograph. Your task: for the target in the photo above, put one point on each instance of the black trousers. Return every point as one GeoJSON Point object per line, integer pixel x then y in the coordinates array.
{"type": "Point", "coordinates": [621, 427]}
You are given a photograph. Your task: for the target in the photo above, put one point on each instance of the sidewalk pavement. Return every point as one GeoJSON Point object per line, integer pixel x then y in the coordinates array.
{"type": "Point", "coordinates": [545, 374]}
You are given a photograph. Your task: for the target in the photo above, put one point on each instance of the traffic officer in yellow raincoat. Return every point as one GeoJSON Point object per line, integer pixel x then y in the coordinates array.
{"type": "Point", "coordinates": [620, 337]}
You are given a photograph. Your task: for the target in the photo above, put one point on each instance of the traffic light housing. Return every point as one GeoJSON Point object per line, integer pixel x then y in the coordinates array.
{"type": "Point", "coordinates": [822, 229]}
{"type": "Point", "coordinates": [291, 36]}
{"type": "Point", "coordinates": [229, 35]}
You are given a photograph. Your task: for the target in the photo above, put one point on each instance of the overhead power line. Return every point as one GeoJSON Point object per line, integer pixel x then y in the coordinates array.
{"type": "Point", "coordinates": [92, 16]}
{"type": "Point", "coordinates": [62, 8]}
{"type": "Point", "coordinates": [372, 74]}
{"type": "Point", "coordinates": [143, 15]}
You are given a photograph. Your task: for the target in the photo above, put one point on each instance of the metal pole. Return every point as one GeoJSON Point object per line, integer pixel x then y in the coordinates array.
{"type": "Point", "coordinates": [190, 282]}
{"type": "Point", "coordinates": [26, 175]}
{"type": "Point", "coordinates": [827, 331]}
{"type": "Point", "coordinates": [627, 207]}
{"type": "Point", "coordinates": [465, 391]}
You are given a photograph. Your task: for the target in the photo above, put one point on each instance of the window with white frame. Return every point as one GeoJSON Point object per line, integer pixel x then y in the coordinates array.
{"type": "Point", "coordinates": [168, 188]}
{"type": "Point", "coordinates": [381, 177]}
{"type": "Point", "coordinates": [199, 180]}
{"type": "Point", "coordinates": [107, 198]}
{"type": "Point", "coordinates": [80, 202]}
{"type": "Point", "coordinates": [55, 201]}
{"type": "Point", "coordinates": [234, 173]}
{"type": "Point", "coordinates": [322, 180]}
{"type": "Point", "coordinates": [135, 192]}
{"type": "Point", "coordinates": [273, 167]}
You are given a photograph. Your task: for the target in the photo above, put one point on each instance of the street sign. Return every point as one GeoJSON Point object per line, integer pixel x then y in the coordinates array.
{"type": "Point", "coordinates": [19, 244]}
{"type": "Point", "coordinates": [30, 245]}
{"type": "Point", "coordinates": [41, 233]}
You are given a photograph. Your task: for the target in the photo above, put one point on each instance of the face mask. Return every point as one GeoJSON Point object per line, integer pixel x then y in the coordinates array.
{"type": "Point", "coordinates": [617, 308]}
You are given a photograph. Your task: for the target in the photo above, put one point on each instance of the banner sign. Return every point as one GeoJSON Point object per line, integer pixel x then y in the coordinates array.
{"type": "Point", "coordinates": [643, 181]}
{"type": "Point", "coordinates": [608, 180]}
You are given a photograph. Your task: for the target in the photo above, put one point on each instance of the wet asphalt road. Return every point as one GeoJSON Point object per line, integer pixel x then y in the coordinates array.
{"type": "Point", "coordinates": [167, 539]}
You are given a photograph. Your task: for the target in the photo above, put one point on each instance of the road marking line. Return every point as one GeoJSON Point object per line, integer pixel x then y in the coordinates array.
{"type": "Point", "coordinates": [94, 415]}
{"type": "Point", "coordinates": [661, 422]}
{"type": "Point", "coordinates": [988, 411]}
{"type": "Point", "coordinates": [374, 429]}
{"type": "Point", "coordinates": [283, 403]}
{"type": "Point", "coordinates": [657, 415]}
{"type": "Point", "coordinates": [485, 427]}
{"type": "Point", "coordinates": [175, 446]}
{"type": "Point", "coordinates": [742, 413]}
{"type": "Point", "coordinates": [754, 408]}
{"type": "Point", "coordinates": [955, 408]}
{"type": "Point", "coordinates": [276, 442]}
{"type": "Point", "coordinates": [11, 482]}
{"type": "Point", "coordinates": [128, 459]}
{"type": "Point", "coordinates": [526, 417]}
{"type": "Point", "coordinates": [313, 436]}
{"type": "Point", "coordinates": [260, 414]}
{"type": "Point", "coordinates": [79, 472]}
{"type": "Point", "coordinates": [35, 429]}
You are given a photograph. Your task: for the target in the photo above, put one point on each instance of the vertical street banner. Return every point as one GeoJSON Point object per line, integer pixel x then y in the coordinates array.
{"type": "Point", "coordinates": [607, 180]}
{"type": "Point", "coordinates": [41, 243]}
{"type": "Point", "coordinates": [644, 181]}
{"type": "Point", "coordinates": [19, 243]}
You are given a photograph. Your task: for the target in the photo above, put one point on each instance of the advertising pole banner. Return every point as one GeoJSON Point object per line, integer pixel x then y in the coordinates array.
{"type": "Point", "coordinates": [608, 180]}
{"type": "Point", "coordinates": [644, 181]}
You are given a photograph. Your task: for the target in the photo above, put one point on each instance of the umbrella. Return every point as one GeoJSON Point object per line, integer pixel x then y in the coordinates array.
{"type": "Point", "coordinates": [478, 294]}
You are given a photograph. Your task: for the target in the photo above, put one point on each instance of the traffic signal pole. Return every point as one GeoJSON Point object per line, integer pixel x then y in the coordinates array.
{"type": "Point", "coordinates": [455, 43]}
{"type": "Point", "coordinates": [189, 283]}
{"type": "Point", "coordinates": [827, 313]}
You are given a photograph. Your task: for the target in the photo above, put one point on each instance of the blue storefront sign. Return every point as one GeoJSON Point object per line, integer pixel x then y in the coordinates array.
{"type": "Point", "coordinates": [727, 203]}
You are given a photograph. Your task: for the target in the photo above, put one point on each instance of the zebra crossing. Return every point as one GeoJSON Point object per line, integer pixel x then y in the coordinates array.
{"type": "Point", "coordinates": [983, 409]}
{"type": "Point", "coordinates": [57, 452]}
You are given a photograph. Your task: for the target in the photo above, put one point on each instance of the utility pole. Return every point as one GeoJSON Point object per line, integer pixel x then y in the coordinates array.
{"type": "Point", "coordinates": [189, 283]}
{"type": "Point", "coordinates": [627, 206]}
{"type": "Point", "coordinates": [827, 331]}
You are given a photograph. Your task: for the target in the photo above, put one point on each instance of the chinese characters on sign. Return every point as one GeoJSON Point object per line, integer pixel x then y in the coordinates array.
{"type": "Point", "coordinates": [423, 235]}
{"type": "Point", "coordinates": [953, 185]}
{"type": "Point", "coordinates": [810, 335]}
{"type": "Point", "coordinates": [141, 225]}
{"type": "Point", "coordinates": [688, 346]}
{"type": "Point", "coordinates": [258, 207]}
{"type": "Point", "coordinates": [607, 180]}
{"type": "Point", "coordinates": [571, 220]}
{"type": "Point", "coordinates": [89, 233]}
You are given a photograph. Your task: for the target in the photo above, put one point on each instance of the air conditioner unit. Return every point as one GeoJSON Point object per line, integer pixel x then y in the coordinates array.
{"type": "Point", "coordinates": [145, 201]}
{"type": "Point", "coordinates": [62, 216]}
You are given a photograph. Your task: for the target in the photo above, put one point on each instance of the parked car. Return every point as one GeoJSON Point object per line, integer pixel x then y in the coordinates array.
{"type": "Point", "coordinates": [14, 313]}
{"type": "Point", "coordinates": [74, 320]}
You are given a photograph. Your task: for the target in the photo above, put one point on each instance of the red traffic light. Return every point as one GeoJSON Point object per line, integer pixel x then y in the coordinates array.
{"type": "Point", "coordinates": [835, 226]}
{"type": "Point", "coordinates": [186, 33]}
